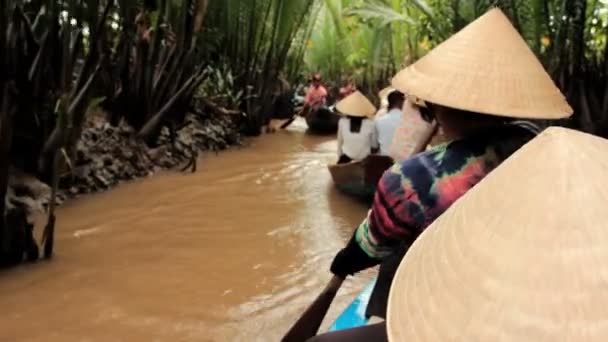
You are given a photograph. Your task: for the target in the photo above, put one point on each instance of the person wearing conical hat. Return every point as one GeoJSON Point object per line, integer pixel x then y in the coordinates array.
{"type": "Point", "coordinates": [477, 85]}
{"type": "Point", "coordinates": [513, 261]}
{"type": "Point", "coordinates": [357, 137]}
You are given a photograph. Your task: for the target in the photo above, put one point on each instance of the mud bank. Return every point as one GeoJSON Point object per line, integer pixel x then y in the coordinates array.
{"type": "Point", "coordinates": [104, 157]}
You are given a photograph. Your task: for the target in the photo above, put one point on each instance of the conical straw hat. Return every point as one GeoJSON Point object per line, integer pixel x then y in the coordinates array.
{"type": "Point", "coordinates": [486, 68]}
{"type": "Point", "coordinates": [356, 104]}
{"type": "Point", "coordinates": [415, 100]}
{"type": "Point", "coordinates": [523, 256]}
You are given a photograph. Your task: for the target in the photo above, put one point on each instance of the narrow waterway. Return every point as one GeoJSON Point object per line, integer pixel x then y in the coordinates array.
{"type": "Point", "coordinates": [234, 252]}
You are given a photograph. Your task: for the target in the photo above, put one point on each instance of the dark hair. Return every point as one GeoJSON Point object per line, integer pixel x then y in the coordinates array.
{"type": "Point", "coordinates": [395, 98]}
{"type": "Point", "coordinates": [355, 123]}
{"type": "Point", "coordinates": [428, 115]}
{"type": "Point", "coordinates": [427, 112]}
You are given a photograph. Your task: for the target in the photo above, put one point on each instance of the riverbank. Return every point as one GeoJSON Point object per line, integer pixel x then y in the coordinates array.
{"type": "Point", "coordinates": [107, 156]}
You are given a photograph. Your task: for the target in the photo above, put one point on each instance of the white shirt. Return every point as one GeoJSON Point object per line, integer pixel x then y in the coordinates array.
{"type": "Point", "coordinates": [386, 125]}
{"type": "Point", "coordinates": [381, 112]}
{"type": "Point", "coordinates": [358, 145]}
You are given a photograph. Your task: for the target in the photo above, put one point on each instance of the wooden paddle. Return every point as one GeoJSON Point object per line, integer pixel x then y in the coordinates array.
{"type": "Point", "coordinates": [293, 118]}
{"type": "Point", "coordinates": [309, 323]}
{"type": "Point", "coordinates": [289, 122]}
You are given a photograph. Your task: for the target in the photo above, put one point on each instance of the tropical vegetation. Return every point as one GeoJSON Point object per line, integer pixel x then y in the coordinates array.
{"type": "Point", "coordinates": [370, 39]}
{"type": "Point", "coordinates": [148, 63]}
{"type": "Point", "coordinates": [143, 62]}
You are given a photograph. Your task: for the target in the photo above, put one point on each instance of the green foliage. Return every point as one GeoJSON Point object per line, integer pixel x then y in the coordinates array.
{"type": "Point", "coordinates": [258, 40]}
{"type": "Point", "coordinates": [154, 67]}
{"type": "Point", "coordinates": [370, 39]}
{"type": "Point", "coordinates": [44, 94]}
{"type": "Point", "coordinates": [143, 61]}
{"type": "Point", "coordinates": [219, 87]}
{"type": "Point", "coordinates": [94, 103]}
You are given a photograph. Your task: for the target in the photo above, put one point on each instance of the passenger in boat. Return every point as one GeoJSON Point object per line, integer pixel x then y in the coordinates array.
{"type": "Point", "coordinates": [356, 131]}
{"type": "Point", "coordinates": [414, 192]}
{"type": "Point", "coordinates": [387, 124]}
{"type": "Point", "coordinates": [317, 94]}
{"type": "Point", "coordinates": [413, 132]}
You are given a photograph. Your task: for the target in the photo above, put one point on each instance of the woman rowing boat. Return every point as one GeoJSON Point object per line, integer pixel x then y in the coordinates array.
{"type": "Point", "coordinates": [476, 84]}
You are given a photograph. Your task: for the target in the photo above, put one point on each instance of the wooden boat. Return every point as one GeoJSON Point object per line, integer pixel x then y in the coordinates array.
{"type": "Point", "coordinates": [354, 315]}
{"type": "Point", "coordinates": [359, 178]}
{"type": "Point", "coordinates": [322, 120]}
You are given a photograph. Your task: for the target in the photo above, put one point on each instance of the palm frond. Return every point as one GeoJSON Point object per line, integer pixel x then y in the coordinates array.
{"type": "Point", "coordinates": [379, 12]}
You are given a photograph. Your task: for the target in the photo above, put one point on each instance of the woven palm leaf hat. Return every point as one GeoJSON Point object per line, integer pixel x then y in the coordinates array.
{"type": "Point", "coordinates": [356, 104]}
{"type": "Point", "coordinates": [415, 100]}
{"type": "Point", "coordinates": [485, 68]}
{"type": "Point", "coordinates": [523, 256]}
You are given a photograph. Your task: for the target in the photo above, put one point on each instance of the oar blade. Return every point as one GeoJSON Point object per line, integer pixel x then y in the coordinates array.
{"type": "Point", "coordinates": [310, 321]}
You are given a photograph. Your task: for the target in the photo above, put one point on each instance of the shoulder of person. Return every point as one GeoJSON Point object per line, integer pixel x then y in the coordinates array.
{"type": "Point", "coordinates": [383, 120]}
{"type": "Point", "coordinates": [396, 112]}
{"type": "Point", "coordinates": [422, 163]}
{"type": "Point", "coordinates": [412, 166]}
{"type": "Point", "coordinates": [512, 136]}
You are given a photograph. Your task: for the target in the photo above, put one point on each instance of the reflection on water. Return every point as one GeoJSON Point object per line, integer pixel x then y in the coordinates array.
{"type": "Point", "coordinates": [234, 252]}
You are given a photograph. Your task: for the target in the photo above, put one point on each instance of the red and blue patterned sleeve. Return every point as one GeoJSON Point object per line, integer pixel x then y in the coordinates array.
{"type": "Point", "coordinates": [413, 193]}
{"type": "Point", "coordinates": [395, 216]}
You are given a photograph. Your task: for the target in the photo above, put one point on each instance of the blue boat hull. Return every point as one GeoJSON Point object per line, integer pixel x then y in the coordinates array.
{"type": "Point", "coordinates": [354, 315]}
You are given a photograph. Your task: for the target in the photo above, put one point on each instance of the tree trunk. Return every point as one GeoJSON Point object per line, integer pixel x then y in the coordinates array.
{"type": "Point", "coordinates": [6, 111]}
{"type": "Point", "coordinates": [201, 11]}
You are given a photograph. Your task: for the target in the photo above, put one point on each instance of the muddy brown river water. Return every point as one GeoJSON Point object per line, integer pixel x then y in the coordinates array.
{"type": "Point", "coordinates": [234, 252]}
